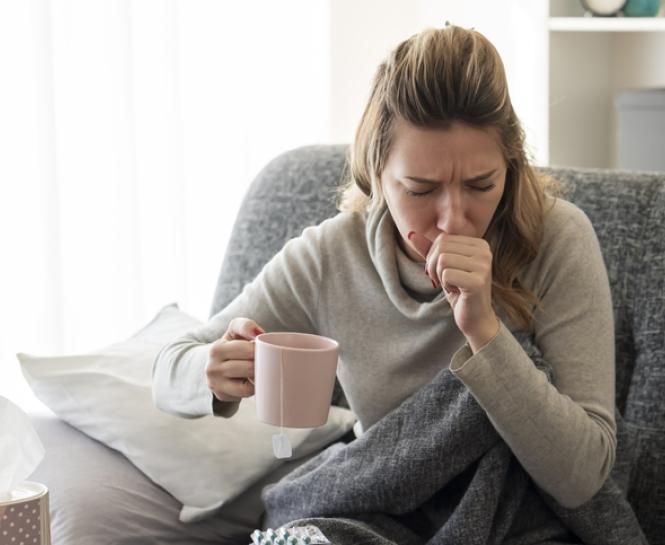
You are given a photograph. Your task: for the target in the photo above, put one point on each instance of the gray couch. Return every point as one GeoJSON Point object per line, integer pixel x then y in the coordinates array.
{"type": "Point", "coordinates": [298, 189]}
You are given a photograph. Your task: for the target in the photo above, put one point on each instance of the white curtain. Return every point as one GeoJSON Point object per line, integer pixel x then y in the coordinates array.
{"type": "Point", "coordinates": [129, 131]}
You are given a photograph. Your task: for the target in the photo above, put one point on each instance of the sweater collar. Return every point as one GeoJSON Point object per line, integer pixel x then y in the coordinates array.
{"type": "Point", "coordinates": [406, 284]}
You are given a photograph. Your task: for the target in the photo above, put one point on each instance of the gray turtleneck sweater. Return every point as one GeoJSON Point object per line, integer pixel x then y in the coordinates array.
{"type": "Point", "coordinates": [348, 279]}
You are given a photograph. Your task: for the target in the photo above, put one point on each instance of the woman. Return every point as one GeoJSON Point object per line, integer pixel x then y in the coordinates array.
{"type": "Point", "coordinates": [446, 244]}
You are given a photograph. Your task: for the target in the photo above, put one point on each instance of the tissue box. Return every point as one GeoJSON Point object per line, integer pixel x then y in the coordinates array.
{"type": "Point", "coordinates": [25, 517]}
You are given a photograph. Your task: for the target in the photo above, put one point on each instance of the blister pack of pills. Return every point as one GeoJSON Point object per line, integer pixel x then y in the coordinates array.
{"type": "Point", "coordinates": [297, 535]}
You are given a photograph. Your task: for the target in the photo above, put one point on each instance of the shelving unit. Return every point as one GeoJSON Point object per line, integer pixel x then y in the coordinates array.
{"type": "Point", "coordinates": [589, 61]}
{"type": "Point", "coordinates": [609, 24]}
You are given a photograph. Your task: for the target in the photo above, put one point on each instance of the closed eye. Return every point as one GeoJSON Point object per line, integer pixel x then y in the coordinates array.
{"type": "Point", "coordinates": [486, 188]}
{"type": "Point", "coordinates": [424, 193]}
{"type": "Point", "coordinates": [417, 194]}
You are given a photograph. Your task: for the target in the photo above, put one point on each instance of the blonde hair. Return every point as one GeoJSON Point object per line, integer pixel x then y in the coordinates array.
{"type": "Point", "coordinates": [431, 80]}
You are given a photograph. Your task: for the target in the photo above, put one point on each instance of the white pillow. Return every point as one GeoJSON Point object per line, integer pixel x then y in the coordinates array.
{"type": "Point", "coordinates": [202, 462]}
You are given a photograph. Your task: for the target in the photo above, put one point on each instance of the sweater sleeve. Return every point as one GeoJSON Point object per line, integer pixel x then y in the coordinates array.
{"type": "Point", "coordinates": [563, 433]}
{"type": "Point", "coordinates": [283, 297]}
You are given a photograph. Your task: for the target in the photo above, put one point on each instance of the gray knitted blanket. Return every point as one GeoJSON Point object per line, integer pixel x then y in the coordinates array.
{"type": "Point", "coordinates": [435, 471]}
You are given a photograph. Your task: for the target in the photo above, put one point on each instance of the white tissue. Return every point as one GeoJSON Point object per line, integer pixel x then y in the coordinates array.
{"type": "Point", "coordinates": [21, 451]}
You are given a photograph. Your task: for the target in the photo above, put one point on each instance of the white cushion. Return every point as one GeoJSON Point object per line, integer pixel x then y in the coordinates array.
{"type": "Point", "coordinates": [203, 462]}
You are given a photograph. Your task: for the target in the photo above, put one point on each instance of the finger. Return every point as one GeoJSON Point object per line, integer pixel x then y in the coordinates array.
{"type": "Point", "coordinates": [454, 261]}
{"type": "Point", "coordinates": [232, 350]}
{"type": "Point", "coordinates": [444, 263]}
{"type": "Point", "coordinates": [430, 270]}
{"type": "Point", "coordinates": [460, 280]}
{"type": "Point", "coordinates": [457, 272]}
{"type": "Point", "coordinates": [242, 328]}
{"type": "Point", "coordinates": [238, 387]}
{"type": "Point", "coordinates": [467, 241]}
{"type": "Point", "coordinates": [453, 247]}
{"type": "Point", "coordinates": [225, 397]}
{"type": "Point", "coordinates": [459, 256]}
{"type": "Point", "coordinates": [420, 242]}
{"type": "Point", "coordinates": [233, 369]}
{"type": "Point", "coordinates": [219, 387]}
{"type": "Point", "coordinates": [432, 260]}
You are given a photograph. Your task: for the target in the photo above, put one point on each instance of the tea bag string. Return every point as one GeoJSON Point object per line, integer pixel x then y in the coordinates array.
{"type": "Point", "coordinates": [280, 442]}
{"type": "Point", "coordinates": [281, 392]}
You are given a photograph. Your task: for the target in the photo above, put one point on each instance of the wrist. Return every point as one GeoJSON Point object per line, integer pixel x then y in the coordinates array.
{"type": "Point", "coordinates": [484, 334]}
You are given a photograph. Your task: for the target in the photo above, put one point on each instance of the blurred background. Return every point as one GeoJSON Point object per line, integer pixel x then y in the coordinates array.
{"type": "Point", "coordinates": [130, 130]}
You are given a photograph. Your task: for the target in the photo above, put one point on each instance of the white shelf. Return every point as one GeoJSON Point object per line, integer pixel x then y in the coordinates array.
{"type": "Point", "coordinates": [607, 24]}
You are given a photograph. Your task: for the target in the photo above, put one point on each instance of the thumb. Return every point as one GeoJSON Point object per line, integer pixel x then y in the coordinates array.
{"type": "Point", "coordinates": [242, 329]}
{"type": "Point", "coordinates": [420, 242]}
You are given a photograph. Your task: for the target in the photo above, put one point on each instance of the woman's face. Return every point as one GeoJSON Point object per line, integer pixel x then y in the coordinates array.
{"type": "Point", "coordinates": [466, 173]}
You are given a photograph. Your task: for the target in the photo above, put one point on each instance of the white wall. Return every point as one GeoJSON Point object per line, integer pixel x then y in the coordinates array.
{"type": "Point", "coordinates": [580, 99]}
{"type": "Point", "coordinates": [129, 132]}
{"type": "Point", "coordinates": [364, 32]}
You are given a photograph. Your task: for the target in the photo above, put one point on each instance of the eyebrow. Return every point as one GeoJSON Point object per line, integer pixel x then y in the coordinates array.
{"type": "Point", "coordinates": [474, 179]}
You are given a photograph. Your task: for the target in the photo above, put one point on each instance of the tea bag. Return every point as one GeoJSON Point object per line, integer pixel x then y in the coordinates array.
{"type": "Point", "coordinates": [281, 446]}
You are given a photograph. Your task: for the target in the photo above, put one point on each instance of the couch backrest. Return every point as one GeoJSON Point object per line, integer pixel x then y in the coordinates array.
{"type": "Point", "coordinates": [295, 190]}
{"type": "Point", "coordinates": [627, 211]}
{"type": "Point", "coordinates": [298, 189]}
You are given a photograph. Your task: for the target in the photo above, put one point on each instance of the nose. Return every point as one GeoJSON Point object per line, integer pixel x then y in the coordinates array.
{"type": "Point", "coordinates": [450, 212]}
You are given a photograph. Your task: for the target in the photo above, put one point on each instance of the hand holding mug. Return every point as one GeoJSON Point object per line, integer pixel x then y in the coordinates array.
{"type": "Point", "coordinates": [230, 368]}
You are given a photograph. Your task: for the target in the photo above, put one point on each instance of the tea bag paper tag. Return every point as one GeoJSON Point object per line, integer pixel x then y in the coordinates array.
{"type": "Point", "coordinates": [281, 446]}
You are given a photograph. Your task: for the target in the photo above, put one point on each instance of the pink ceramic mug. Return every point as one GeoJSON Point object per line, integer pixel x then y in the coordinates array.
{"type": "Point", "coordinates": [295, 377]}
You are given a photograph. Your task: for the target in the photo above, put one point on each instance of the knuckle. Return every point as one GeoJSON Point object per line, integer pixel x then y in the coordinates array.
{"type": "Point", "coordinates": [217, 348]}
{"type": "Point", "coordinates": [209, 369]}
{"type": "Point", "coordinates": [212, 377]}
{"type": "Point", "coordinates": [210, 382]}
